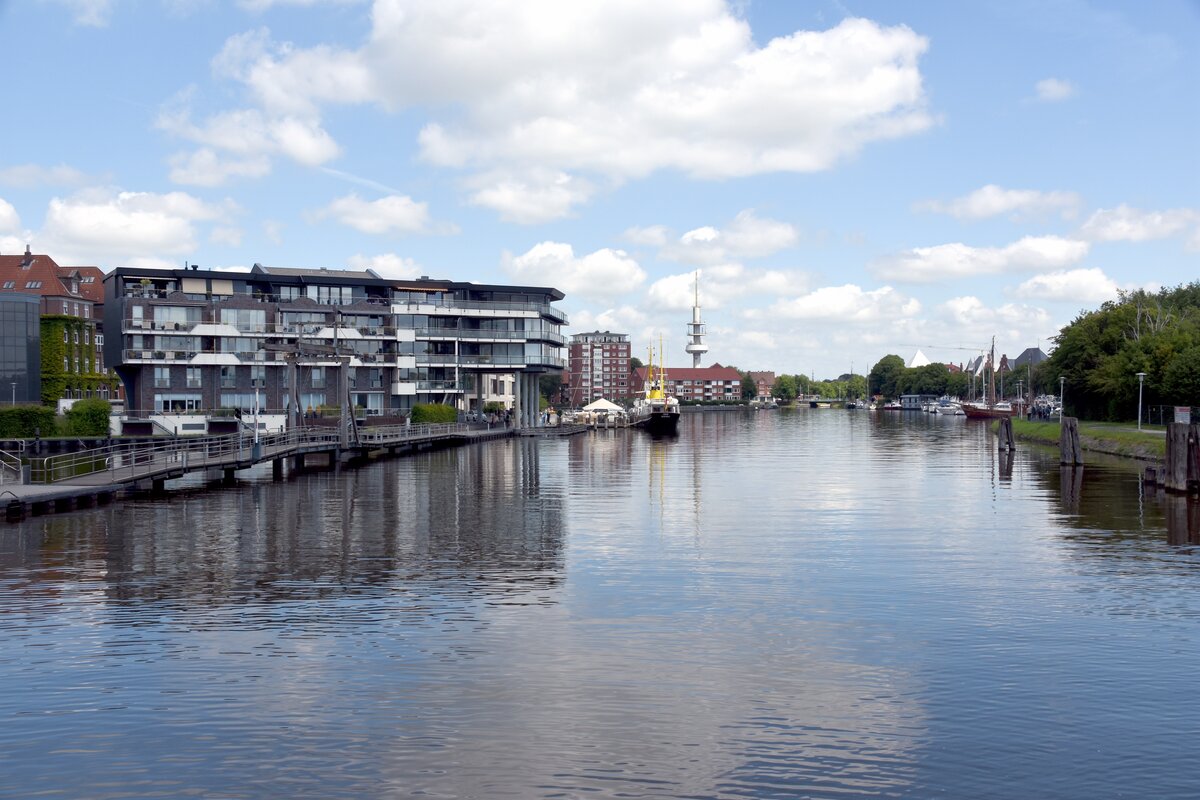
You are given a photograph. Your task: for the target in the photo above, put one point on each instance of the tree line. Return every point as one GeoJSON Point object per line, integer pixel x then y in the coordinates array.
{"type": "Point", "coordinates": [1100, 353]}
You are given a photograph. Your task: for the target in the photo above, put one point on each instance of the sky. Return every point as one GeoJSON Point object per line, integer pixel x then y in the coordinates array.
{"type": "Point", "coordinates": [846, 179]}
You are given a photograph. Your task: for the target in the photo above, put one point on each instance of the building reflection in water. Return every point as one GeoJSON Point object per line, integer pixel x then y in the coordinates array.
{"type": "Point", "coordinates": [480, 519]}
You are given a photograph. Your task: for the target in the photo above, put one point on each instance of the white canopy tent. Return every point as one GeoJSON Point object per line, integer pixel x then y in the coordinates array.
{"type": "Point", "coordinates": [602, 405]}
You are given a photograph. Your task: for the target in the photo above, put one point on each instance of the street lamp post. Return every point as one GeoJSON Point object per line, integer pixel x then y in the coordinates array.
{"type": "Point", "coordinates": [1062, 381]}
{"type": "Point", "coordinates": [1141, 380]}
{"type": "Point", "coordinates": [14, 385]}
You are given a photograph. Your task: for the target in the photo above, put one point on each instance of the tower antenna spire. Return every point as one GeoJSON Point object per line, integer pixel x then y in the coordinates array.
{"type": "Point", "coordinates": [695, 330]}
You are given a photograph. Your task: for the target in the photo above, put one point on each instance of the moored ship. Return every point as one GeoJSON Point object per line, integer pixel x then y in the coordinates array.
{"type": "Point", "coordinates": [656, 411]}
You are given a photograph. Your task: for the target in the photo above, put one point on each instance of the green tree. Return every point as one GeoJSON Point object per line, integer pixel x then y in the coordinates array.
{"type": "Point", "coordinates": [749, 386]}
{"type": "Point", "coordinates": [884, 377]}
{"type": "Point", "coordinates": [784, 388]}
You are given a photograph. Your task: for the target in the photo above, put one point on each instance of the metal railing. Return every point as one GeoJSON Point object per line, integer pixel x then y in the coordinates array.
{"type": "Point", "coordinates": [128, 461]}
{"type": "Point", "coordinates": [10, 468]}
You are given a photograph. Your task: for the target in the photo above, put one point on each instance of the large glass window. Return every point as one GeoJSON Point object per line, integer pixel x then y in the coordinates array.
{"type": "Point", "coordinates": [317, 381]}
{"type": "Point", "coordinates": [245, 319]}
{"type": "Point", "coordinates": [228, 377]}
{"type": "Point", "coordinates": [193, 377]}
{"type": "Point", "coordinates": [258, 376]}
{"type": "Point", "coordinates": [162, 377]}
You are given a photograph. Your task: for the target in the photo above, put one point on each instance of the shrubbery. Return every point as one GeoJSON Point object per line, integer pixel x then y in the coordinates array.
{"type": "Point", "coordinates": [423, 413]}
{"type": "Point", "coordinates": [25, 422]}
{"type": "Point", "coordinates": [88, 417]}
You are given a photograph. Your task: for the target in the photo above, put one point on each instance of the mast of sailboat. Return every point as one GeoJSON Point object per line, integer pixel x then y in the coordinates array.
{"type": "Point", "coordinates": [992, 378]}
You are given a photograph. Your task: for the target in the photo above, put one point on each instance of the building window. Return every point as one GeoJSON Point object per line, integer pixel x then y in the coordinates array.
{"type": "Point", "coordinates": [10, 284]}
{"type": "Point", "coordinates": [99, 339]}
{"type": "Point", "coordinates": [228, 377]}
{"type": "Point", "coordinates": [193, 377]}
{"type": "Point", "coordinates": [35, 285]}
{"type": "Point", "coordinates": [258, 376]}
{"type": "Point", "coordinates": [162, 377]}
{"type": "Point", "coordinates": [318, 378]}
{"type": "Point", "coordinates": [66, 364]}
{"type": "Point", "coordinates": [66, 335]}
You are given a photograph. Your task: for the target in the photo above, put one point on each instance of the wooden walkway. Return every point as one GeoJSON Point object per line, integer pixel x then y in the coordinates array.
{"type": "Point", "coordinates": [96, 476]}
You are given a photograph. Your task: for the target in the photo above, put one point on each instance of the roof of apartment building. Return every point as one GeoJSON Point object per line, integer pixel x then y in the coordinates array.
{"type": "Point", "coordinates": [762, 376]}
{"type": "Point", "coordinates": [91, 282]}
{"type": "Point", "coordinates": [35, 273]}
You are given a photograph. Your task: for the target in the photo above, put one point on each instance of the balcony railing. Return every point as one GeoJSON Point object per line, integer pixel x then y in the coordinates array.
{"type": "Point", "coordinates": [249, 356]}
{"type": "Point", "coordinates": [130, 325]}
{"type": "Point", "coordinates": [451, 307]}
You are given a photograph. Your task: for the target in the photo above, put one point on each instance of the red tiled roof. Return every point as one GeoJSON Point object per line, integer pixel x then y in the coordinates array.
{"type": "Point", "coordinates": [40, 270]}
{"type": "Point", "coordinates": [715, 373]}
{"type": "Point", "coordinates": [94, 289]}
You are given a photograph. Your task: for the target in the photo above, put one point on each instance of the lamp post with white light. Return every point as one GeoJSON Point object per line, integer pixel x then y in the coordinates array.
{"type": "Point", "coordinates": [1141, 380]}
{"type": "Point", "coordinates": [14, 384]}
{"type": "Point", "coordinates": [1062, 381]}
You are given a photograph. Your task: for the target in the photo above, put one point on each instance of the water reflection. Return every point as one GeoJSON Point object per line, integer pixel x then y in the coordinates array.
{"type": "Point", "coordinates": [807, 603]}
{"type": "Point", "coordinates": [320, 535]}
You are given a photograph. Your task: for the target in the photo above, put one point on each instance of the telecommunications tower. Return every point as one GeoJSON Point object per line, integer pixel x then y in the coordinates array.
{"type": "Point", "coordinates": [695, 330]}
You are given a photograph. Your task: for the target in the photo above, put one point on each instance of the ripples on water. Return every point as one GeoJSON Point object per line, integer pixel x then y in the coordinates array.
{"type": "Point", "coordinates": [782, 604]}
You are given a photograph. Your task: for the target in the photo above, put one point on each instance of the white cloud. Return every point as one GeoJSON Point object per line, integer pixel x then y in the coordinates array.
{"type": "Point", "coordinates": [91, 13]}
{"type": "Point", "coordinates": [10, 221]}
{"type": "Point", "coordinates": [535, 197]}
{"type": "Point", "coordinates": [392, 213]}
{"type": "Point", "coordinates": [975, 320]}
{"type": "Point", "coordinates": [721, 283]}
{"type": "Point", "coordinates": [388, 265]}
{"type": "Point", "coordinates": [1076, 285]}
{"type": "Point", "coordinates": [137, 227]}
{"type": "Point", "coordinates": [604, 273]}
{"type": "Point", "coordinates": [205, 168]}
{"type": "Point", "coordinates": [250, 135]}
{"type": "Point", "coordinates": [957, 260]}
{"type": "Point", "coordinates": [524, 88]}
{"type": "Point", "coordinates": [1052, 90]}
{"type": "Point", "coordinates": [28, 176]}
{"type": "Point", "coordinates": [621, 319]}
{"type": "Point", "coordinates": [992, 200]}
{"type": "Point", "coordinates": [1134, 225]}
{"type": "Point", "coordinates": [848, 304]}
{"type": "Point", "coordinates": [226, 235]}
{"type": "Point", "coordinates": [746, 236]}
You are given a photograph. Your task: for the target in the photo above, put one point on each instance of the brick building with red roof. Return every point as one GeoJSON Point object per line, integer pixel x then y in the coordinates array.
{"type": "Point", "coordinates": [72, 358]}
{"type": "Point", "coordinates": [692, 384]}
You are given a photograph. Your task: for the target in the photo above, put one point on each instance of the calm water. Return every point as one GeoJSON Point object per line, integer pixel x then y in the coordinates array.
{"type": "Point", "coordinates": [772, 605]}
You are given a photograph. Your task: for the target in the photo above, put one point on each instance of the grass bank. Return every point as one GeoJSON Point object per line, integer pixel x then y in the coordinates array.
{"type": "Point", "coordinates": [1115, 438]}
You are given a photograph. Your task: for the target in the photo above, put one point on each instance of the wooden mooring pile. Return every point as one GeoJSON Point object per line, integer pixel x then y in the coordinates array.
{"type": "Point", "coordinates": [1180, 470]}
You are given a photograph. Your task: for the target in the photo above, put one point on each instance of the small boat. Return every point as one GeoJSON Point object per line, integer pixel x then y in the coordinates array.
{"type": "Point", "coordinates": [991, 409]}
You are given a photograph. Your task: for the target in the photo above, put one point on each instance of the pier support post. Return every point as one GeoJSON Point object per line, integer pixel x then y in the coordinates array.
{"type": "Point", "coordinates": [1006, 434]}
{"type": "Point", "coordinates": [1175, 465]}
{"type": "Point", "coordinates": [1070, 450]}
{"type": "Point", "coordinates": [158, 485]}
{"type": "Point", "coordinates": [277, 469]}
{"type": "Point", "coordinates": [230, 477]}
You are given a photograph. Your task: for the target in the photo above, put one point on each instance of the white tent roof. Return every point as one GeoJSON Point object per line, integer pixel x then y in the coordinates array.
{"type": "Point", "coordinates": [918, 360]}
{"type": "Point", "coordinates": [602, 405]}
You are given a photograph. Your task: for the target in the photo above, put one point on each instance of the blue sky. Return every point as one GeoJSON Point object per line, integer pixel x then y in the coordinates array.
{"type": "Point", "coordinates": [851, 179]}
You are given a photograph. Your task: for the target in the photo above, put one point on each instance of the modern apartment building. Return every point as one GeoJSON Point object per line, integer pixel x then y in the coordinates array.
{"type": "Point", "coordinates": [715, 383]}
{"type": "Point", "coordinates": [295, 340]}
{"type": "Point", "coordinates": [598, 366]}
